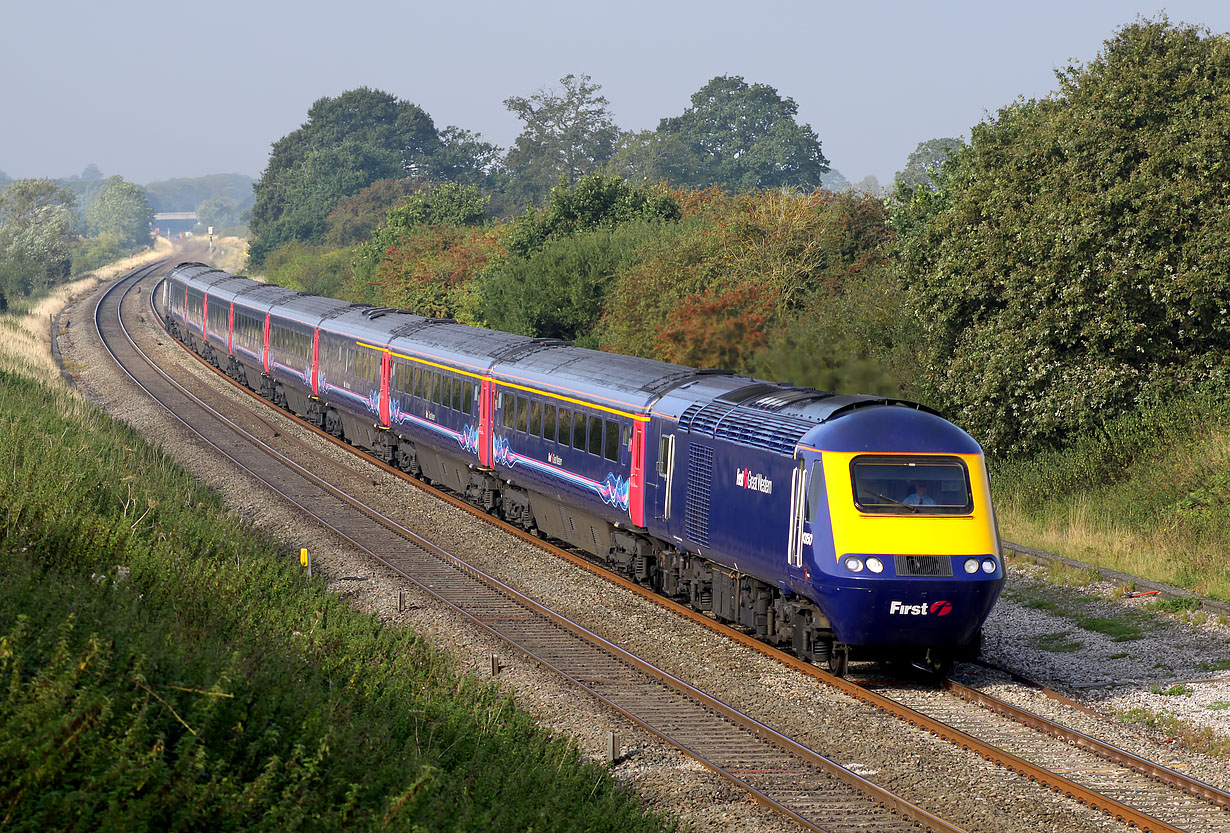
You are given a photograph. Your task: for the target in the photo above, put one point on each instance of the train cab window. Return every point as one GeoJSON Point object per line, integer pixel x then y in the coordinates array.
{"type": "Point", "coordinates": [610, 446]}
{"type": "Point", "coordinates": [894, 485]}
{"type": "Point", "coordinates": [578, 431]}
{"type": "Point", "coordinates": [815, 490]}
{"type": "Point", "coordinates": [548, 422]}
{"type": "Point", "coordinates": [565, 426]}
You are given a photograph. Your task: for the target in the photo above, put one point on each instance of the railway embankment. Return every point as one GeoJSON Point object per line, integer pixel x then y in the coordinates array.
{"type": "Point", "coordinates": [166, 665]}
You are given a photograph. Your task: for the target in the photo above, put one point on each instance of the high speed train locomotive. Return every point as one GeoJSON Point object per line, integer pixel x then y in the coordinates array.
{"type": "Point", "coordinates": [824, 524]}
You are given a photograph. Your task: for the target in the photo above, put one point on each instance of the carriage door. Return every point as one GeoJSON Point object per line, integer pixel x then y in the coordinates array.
{"type": "Point", "coordinates": [798, 511]}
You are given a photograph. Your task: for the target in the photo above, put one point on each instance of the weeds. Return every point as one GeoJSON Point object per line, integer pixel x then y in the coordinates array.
{"type": "Point", "coordinates": [153, 681]}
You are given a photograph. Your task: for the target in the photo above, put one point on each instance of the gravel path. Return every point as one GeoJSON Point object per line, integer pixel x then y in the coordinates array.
{"type": "Point", "coordinates": [946, 780]}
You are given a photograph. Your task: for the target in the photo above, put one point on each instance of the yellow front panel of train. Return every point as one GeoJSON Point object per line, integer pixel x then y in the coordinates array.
{"type": "Point", "coordinates": [857, 531]}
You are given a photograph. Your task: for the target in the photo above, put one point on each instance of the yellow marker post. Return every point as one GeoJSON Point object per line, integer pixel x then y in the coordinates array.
{"type": "Point", "coordinates": [303, 559]}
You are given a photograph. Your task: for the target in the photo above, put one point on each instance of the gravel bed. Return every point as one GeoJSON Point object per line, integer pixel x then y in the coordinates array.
{"type": "Point", "coordinates": [947, 781]}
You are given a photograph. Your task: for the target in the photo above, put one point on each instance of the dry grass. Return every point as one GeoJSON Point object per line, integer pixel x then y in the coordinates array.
{"type": "Point", "coordinates": [25, 339]}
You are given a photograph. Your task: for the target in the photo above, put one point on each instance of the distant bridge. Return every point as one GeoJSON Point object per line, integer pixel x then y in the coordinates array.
{"type": "Point", "coordinates": [174, 222]}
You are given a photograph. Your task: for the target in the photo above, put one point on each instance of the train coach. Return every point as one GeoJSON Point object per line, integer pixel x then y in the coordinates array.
{"type": "Point", "coordinates": [829, 525]}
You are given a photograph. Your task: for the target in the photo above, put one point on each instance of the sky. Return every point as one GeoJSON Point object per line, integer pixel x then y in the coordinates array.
{"type": "Point", "coordinates": [153, 91]}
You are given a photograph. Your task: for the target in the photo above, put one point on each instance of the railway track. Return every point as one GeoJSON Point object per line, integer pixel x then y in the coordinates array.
{"type": "Point", "coordinates": [777, 771]}
{"type": "Point", "coordinates": [1141, 793]}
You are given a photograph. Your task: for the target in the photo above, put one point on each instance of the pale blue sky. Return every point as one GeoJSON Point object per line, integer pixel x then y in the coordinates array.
{"type": "Point", "coordinates": [151, 91]}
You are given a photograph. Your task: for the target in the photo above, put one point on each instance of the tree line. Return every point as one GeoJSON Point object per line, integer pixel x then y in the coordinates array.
{"type": "Point", "coordinates": [1064, 266]}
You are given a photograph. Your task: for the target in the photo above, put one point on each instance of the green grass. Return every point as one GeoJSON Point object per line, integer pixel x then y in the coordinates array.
{"type": "Point", "coordinates": [1056, 643]}
{"type": "Point", "coordinates": [164, 668]}
{"type": "Point", "coordinates": [1148, 494]}
{"type": "Point", "coordinates": [1180, 690]}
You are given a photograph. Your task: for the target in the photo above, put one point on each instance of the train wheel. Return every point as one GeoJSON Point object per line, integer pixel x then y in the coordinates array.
{"type": "Point", "coordinates": [839, 659]}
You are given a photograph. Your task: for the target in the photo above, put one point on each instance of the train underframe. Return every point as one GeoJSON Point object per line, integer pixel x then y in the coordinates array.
{"type": "Point", "coordinates": [787, 621]}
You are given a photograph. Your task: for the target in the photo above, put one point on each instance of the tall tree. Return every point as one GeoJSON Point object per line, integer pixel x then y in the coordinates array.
{"type": "Point", "coordinates": [120, 210]}
{"type": "Point", "coordinates": [566, 135]}
{"type": "Point", "coordinates": [743, 136]}
{"type": "Point", "coordinates": [465, 158]}
{"type": "Point", "coordinates": [925, 162]}
{"type": "Point", "coordinates": [346, 144]}
{"type": "Point", "coordinates": [37, 228]}
{"type": "Point", "coordinates": [1070, 266]}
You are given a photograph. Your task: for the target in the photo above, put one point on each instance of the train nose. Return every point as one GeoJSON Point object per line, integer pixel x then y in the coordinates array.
{"type": "Point", "coordinates": [890, 612]}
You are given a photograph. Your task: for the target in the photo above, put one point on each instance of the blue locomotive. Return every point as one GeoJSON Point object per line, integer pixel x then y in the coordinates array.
{"type": "Point", "coordinates": [825, 524]}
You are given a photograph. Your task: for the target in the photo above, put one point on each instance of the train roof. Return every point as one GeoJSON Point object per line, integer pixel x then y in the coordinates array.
{"type": "Point", "coordinates": [555, 365]}
{"type": "Point", "coordinates": [364, 322]}
{"type": "Point", "coordinates": [308, 309]}
{"type": "Point", "coordinates": [442, 339]}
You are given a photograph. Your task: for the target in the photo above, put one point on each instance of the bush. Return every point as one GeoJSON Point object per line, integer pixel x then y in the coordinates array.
{"type": "Point", "coordinates": [94, 252]}
{"type": "Point", "coordinates": [320, 269]}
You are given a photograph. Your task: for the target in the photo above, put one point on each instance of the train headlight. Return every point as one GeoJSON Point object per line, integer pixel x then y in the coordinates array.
{"type": "Point", "coordinates": [971, 565]}
{"type": "Point", "coordinates": [989, 565]}
{"type": "Point", "coordinates": [875, 565]}
{"type": "Point", "coordinates": [854, 565]}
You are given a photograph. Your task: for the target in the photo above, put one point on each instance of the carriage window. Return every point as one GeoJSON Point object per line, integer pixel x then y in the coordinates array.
{"type": "Point", "coordinates": [523, 413]}
{"type": "Point", "coordinates": [510, 410]}
{"type": "Point", "coordinates": [565, 426]}
{"type": "Point", "coordinates": [435, 388]}
{"type": "Point", "coordinates": [446, 391]}
{"type": "Point", "coordinates": [595, 436]}
{"type": "Point", "coordinates": [457, 397]}
{"type": "Point", "coordinates": [892, 485]}
{"type": "Point", "coordinates": [548, 422]}
{"type": "Point", "coordinates": [536, 418]}
{"type": "Point", "coordinates": [578, 431]}
{"type": "Point", "coordinates": [610, 448]}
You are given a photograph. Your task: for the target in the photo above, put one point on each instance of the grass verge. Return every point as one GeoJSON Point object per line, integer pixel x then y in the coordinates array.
{"type": "Point", "coordinates": [164, 668]}
{"type": "Point", "coordinates": [1149, 495]}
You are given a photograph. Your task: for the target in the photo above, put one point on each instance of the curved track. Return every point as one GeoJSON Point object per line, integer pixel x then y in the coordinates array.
{"type": "Point", "coordinates": [777, 771]}
{"type": "Point", "coordinates": [1141, 793]}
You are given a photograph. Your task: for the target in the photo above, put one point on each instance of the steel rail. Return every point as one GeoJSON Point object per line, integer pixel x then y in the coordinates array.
{"type": "Point", "coordinates": [1054, 781]}
{"type": "Point", "coordinates": [894, 804]}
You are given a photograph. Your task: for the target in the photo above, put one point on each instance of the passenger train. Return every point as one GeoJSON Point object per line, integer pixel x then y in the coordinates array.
{"type": "Point", "coordinates": [828, 525]}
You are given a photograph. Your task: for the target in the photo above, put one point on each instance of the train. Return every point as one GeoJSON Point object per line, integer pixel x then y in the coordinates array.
{"type": "Point", "coordinates": [829, 525]}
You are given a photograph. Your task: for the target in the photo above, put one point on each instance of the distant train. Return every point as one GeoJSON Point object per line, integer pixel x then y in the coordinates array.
{"type": "Point", "coordinates": [825, 524]}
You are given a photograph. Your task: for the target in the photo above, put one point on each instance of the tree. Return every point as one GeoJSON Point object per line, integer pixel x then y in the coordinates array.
{"type": "Point", "coordinates": [925, 161]}
{"type": "Point", "coordinates": [1070, 264]}
{"type": "Point", "coordinates": [120, 210]}
{"type": "Point", "coordinates": [597, 200]}
{"type": "Point", "coordinates": [354, 219]}
{"type": "Point", "coordinates": [218, 212]}
{"type": "Point", "coordinates": [37, 229]}
{"type": "Point", "coordinates": [346, 144]}
{"type": "Point", "coordinates": [566, 136]}
{"type": "Point", "coordinates": [465, 158]}
{"type": "Point", "coordinates": [742, 136]}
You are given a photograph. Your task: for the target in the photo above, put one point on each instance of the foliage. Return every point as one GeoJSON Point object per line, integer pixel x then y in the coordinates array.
{"type": "Point", "coordinates": [465, 158]}
{"type": "Point", "coordinates": [220, 212]}
{"type": "Point", "coordinates": [567, 135]}
{"type": "Point", "coordinates": [558, 290]}
{"type": "Point", "coordinates": [1070, 265]}
{"type": "Point", "coordinates": [37, 229]}
{"type": "Point", "coordinates": [925, 161]}
{"type": "Point", "coordinates": [354, 219]}
{"type": "Point", "coordinates": [743, 136]}
{"type": "Point", "coordinates": [745, 266]}
{"type": "Point", "coordinates": [187, 194]}
{"type": "Point", "coordinates": [319, 269]}
{"type": "Point", "coordinates": [433, 270]}
{"type": "Point", "coordinates": [446, 204]}
{"type": "Point", "coordinates": [94, 252]}
{"type": "Point", "coordinates": [120, 210]}
{"type": "Point", "coordinates": [346, 144]}
{"type": "Point", "coordinates": [597, 200]}
{"type": "Point", "coordinates": [168, 669]}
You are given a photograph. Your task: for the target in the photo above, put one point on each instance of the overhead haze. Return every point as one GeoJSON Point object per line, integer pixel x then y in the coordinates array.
{"type": "Point", "coordinates": [152, 92]}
